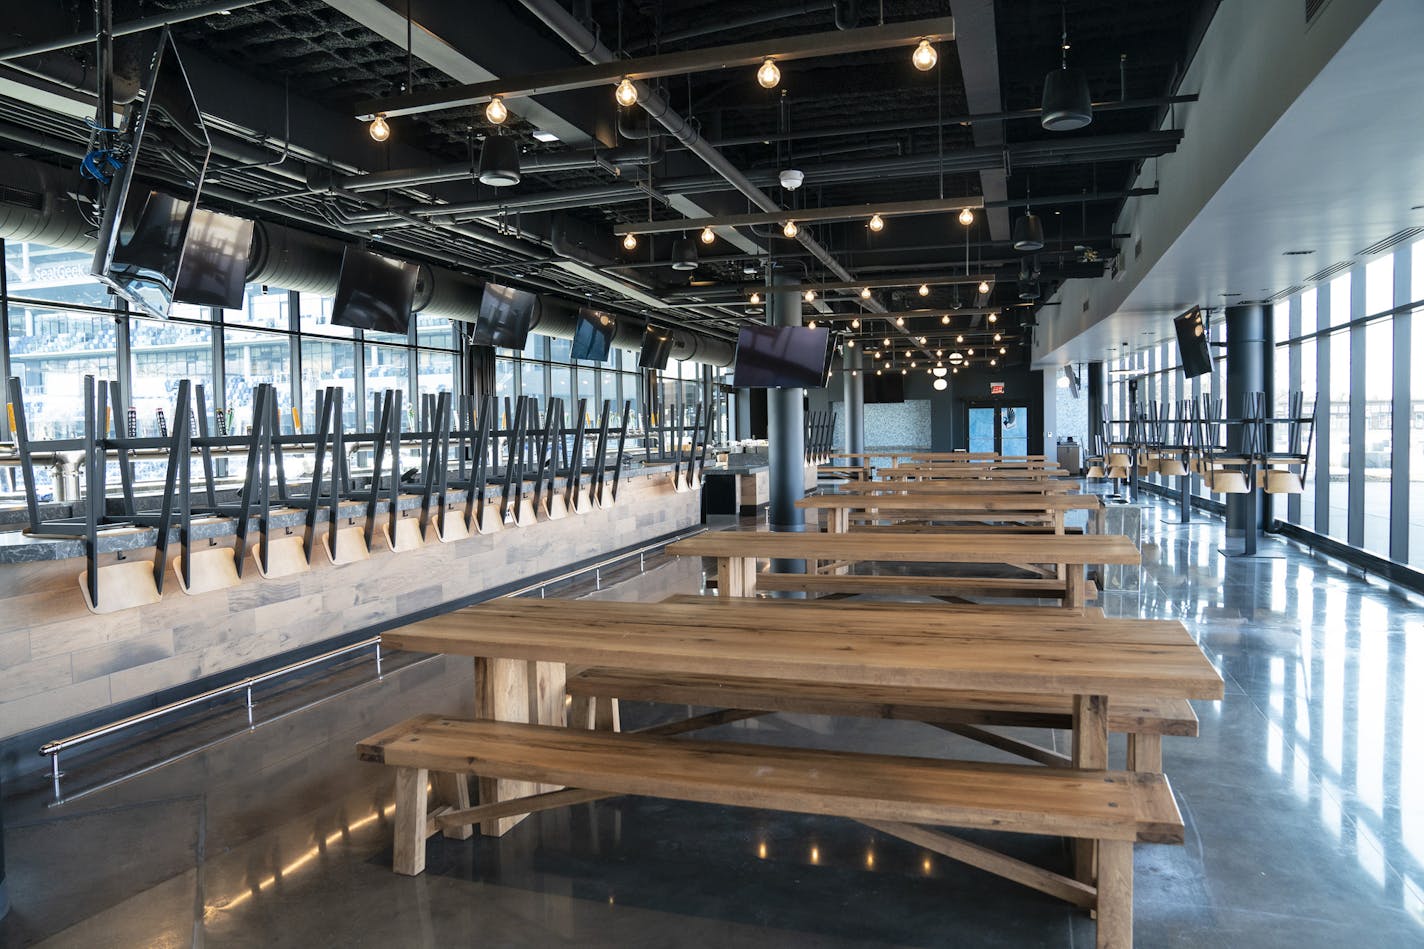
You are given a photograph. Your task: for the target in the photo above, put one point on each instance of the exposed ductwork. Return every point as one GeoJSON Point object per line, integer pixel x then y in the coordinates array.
{"type": "Point", "coordinates": [35, 206]}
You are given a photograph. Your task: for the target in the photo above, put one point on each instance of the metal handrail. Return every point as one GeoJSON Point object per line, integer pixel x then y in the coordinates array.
{"type": "Point", "coordinates": [52, 749]}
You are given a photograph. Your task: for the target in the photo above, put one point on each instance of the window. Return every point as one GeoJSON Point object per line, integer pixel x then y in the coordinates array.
{"type": "Point", "coordinates": [1312, 404]}
{"type": "Point", "coordinates": [251, 358]}
{"type": "Point", "coordinates": [1339, 410]}
{"type": "Point", "coordinates": [1378, 402]}
{"type": "Point", "coordinates": [325, 363]}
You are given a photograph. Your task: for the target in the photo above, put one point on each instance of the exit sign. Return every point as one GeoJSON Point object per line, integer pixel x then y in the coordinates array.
{"type": "Point", "coordinates": [996, 388]}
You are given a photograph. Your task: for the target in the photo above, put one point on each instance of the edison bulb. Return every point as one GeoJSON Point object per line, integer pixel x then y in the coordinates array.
{"type": "Point", "coordinates": [708, 235]}
{"type": "Point", "coordinates": [885, 342]}
{"type": "Point", "coordinates": [790, 230]}
{"type": "Point", "coordinates": [768, 75]}
{"type": "Point", "coordinates": [899, 321]}
{"type": "Point", "coordinates": [993, 362]}
{"type": "Point", "coordinates": [756, 298]}
{"type": "Point", "coordinates": [944, 319]}
{"type": "Point", "coordinates": [626, 93]}
{"type": "Point", "coordinates": [855, 324]}
{"type": "Point", "coordinates": [997, 337]}
{"type": "Point", "coordinates": [912, 364]}
{"type": "Point", "coordinates": [924, 57]}
{"type": "Point", "coordinates": [496, 112]}
{"type": "Point", "coordinates": [924, 289]}
{"type": "Point", "coordinates": [993, 317]}
{"type": "Point", "coordinates": [810, 296]}
{"type": "Point", "coordinates": [850, 344]}
{"type": "Point", "coordinates": [966, 216]}
{"type": "Point", "coordinates": [630, 241]}
{"type": "Point", "coordinates": [971, 352]}
{"type": "Point", "coordinates": [877, 223]}
{"type": "Point", "coordinates": [811, 324]}
{"type": "Point", "coordinates": [380, 130]}
{"type": "Point", "coordinates": [959, 338]}
{"type": "Point", "coordinates": [877, 372]}
{"type": "Point", "coordinates": [923, 341]}
{"type": "Point", "coordinates": [1003, 351]}
{"type": "Point", "coordinates": [983, 286]}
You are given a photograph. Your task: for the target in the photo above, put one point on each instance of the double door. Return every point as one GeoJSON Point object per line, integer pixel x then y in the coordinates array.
{"type": "Point", "coordinates": [1002, 429]}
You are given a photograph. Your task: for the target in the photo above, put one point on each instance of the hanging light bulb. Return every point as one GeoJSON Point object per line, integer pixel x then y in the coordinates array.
{"type": "Point", "coordinates": [708, 235]}
{"type": "Point", "coordinates": [993, 362]}
{"type": "Point", "coordinates": [885, 342]}
{"type": "Point", "coordinates": [959, 338]}
{"type": "Point", "coordinates": [811, 324]}
{"type": "Point", "coordinates": [626, 93]}
{"type": "Point", "coordinates": [810, 296]}
{"type": "Point", "coordinates": [877, 223]}
{"type": "Point", "coordinates": [768, 75]}
{"type": "Point", "coordinates": [855, 324]}
{"type": "Point", "coordinates": [887, 364]}
{"type": "Point", "coordinates": [877, 372]}
{"type": "Point", "coordinates": [790, 230]}
{"type": "Point", "coordinates": [939, 352]}
{"type": "Point", "coordinates": [983, 286]}
{"type": "Point", "coordinates": [924, 289]}
{"type": "Point", "coordinates": [955, 370]}
{"type": "Point", "coordinates": [630, 241]}
{"type": "Point", "coordinates": [756, 298]}
{"type": "Point", "coordinates": [904, 372]}
{"type": "Point", "coordinates": [865, 293]}
{"type": "Point", "coordinates": [496, 112]}
{"type": "Point", "coordinates": [379, 129]}
{"type": "Point", "coordinates": [923, 341]}
{"type": "Point", "coordinates": [900, 321]}
{"type": "Point", "coordinates": [924, 57]}
{"type": "Point", "coordinates": [971, 352]}
{"type": "Point", "coordinates": [1003, 351]}
{"type": "Point", "coordinates": [966, 216]}
{"type": "Point", "coordinates": [944, 319]}
{"type": "Point", "coordinates": [850, 344]}
{"type": "Point", "coordinates": [993, 317]}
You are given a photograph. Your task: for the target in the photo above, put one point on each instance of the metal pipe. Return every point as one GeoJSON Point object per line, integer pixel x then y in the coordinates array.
{"type": "Point", "coordinates": [127, 29]}
{"type": "Point", "coordinates": [728, 24]}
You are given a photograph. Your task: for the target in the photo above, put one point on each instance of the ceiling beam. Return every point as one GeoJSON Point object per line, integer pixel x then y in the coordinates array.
{"type": "Point", "coordinates": [711, 59]}
{"type": "Point", "coordinates": [978, 48]}
{"type": "Point", "coordinates": [850, 212]}
{"type": "Point", "coordinates": [913, 280]}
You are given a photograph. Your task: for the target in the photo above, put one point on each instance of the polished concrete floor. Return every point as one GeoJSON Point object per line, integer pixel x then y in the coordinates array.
{"type": "Point", "coordinates": [1303, 796]}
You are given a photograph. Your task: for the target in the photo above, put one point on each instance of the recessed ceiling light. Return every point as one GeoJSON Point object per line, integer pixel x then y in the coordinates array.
{"type": "Point", "coordinates": [543, 136]}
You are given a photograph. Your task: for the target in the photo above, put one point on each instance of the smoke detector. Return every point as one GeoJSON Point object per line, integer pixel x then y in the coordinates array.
{"type": "Point", "coordinates": [791, 179]}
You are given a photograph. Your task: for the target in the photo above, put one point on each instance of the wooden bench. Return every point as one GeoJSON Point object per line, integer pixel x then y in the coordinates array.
{"type": "Point", "coordinates": [895, 795]}
{"type": "Point", "coordinates": [1045, 588]}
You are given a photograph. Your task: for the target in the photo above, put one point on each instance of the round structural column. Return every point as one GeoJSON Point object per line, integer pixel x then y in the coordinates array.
{"type": "Point", "coordinates": [1245, 372]}
{"type": "Point", "coordinates": [853, 389]}
{"type": "Point", "coordinates": [786, 421]}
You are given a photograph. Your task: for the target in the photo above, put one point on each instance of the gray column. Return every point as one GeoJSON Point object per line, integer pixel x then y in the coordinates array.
{"type": "Point", "coordinates": [1402, 412]}
{"type": "Point", "coordinates": [853, 387]}
{"type": "Point", "coordinates": [1097, 392]}
{"type": "Point", "coordinates": [785, 416]}
{"type": "Point", "coordinates": [1245, 372]}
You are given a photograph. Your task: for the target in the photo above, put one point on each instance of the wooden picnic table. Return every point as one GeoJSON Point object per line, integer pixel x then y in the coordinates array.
{"type": "Point", "coordinates": [927, 471]}
{"type": "Point", "coordinates": [737, 553]}
{"type": "Point", "coordinates": [1044, 509]}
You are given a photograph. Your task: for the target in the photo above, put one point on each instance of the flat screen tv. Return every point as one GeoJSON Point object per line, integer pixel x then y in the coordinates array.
{"type": "Point", "coordinates": [213, 271]}
{"type": "Point", "coordinates": [374, 292]}
{"type": "Point", "coordinates": [506, 316]}
{"type": "Point", "coordinates": [883, 389]}
{"type": "Point", "coordinates": [1194, 342]}
{"type": "Point", "coordinates": [593, 335]}
{"type": "Point", "coordinates": [781, 357]}
{"type": "Point", "coordinates": [657, 347]}
{"type": "Point", "coordinates": [149, 201]}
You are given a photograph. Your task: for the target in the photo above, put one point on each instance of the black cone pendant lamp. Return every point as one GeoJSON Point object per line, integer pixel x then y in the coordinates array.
{"type": "Point", "coordinates": [499, 162]}
{"type": "Point", "coordinates": [684, 254]}
{"type": "Point", "coordinates": [1067, 103]}
{"type": "Point", "coordinates": [1028, 233]}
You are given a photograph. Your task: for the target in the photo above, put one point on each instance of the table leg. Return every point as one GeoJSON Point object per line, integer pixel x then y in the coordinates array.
{"type": "Point", "coordinates": [736, 576]}
{"type": "Point", "coordinates": [487, 789]}
{"type": "Point", "coordinates": [840, 520]}
{"type": "Point", "coordinates": [1075, 593]}
{"type": "Point", "coordinates": [1090, 751]}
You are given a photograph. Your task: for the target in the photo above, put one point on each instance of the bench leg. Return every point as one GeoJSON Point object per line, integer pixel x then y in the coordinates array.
{"type": "Point", "coordinates": [411, 806]}
{"type": "Point", "coordinates": [1144, 753]}
{"type": "Point", "coordinates": [1114, 894]}
{"type": "Point", "coordinates": [580, 712]}
{"type": "Point", "coordinates": [453, 790]}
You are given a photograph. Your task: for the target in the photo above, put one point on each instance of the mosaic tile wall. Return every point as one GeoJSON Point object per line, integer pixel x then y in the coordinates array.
{"type": "Point", "coordinates": [890, 425]}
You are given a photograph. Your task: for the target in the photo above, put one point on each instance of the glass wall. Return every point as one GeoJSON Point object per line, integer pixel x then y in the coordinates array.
{"type": "Point", "coordinates": [1337, 345]}
{"type": "Point", "coordinates": [62, 325]}
{"type": "Point", "coordinates": [545, 371]}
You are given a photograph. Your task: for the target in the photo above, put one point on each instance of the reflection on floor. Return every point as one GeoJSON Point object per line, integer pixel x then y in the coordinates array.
{"type": "Point", "coordinates": [1304, 799]}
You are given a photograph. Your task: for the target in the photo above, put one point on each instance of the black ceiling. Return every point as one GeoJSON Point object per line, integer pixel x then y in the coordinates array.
{"type": "Point", "coordinates": [326, 58]}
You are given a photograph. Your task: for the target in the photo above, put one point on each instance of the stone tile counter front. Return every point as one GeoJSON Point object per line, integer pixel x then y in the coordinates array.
{"type": "Point", "coordinates": [58, 660]}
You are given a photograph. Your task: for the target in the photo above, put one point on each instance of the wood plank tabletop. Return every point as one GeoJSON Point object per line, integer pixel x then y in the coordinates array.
{"type": "Point", "coordinates": [965, 471]}
{"type": "Point", "coordinates": [959, 502]}
{"type": "Point", "coordinates": [858, 648]}
{"type": "Point", "coordinates": [913, 548]}
{"type": "Point", "coordinates": [964, 486]}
